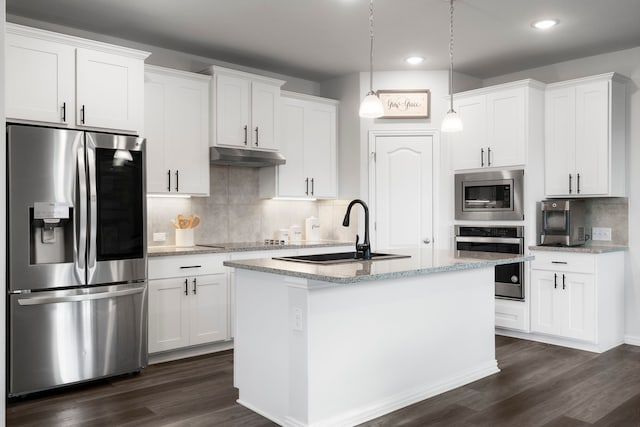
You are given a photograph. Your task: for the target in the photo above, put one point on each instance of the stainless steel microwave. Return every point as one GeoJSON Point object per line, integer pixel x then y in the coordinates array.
{"type": "Point", "coordinates": [489, 196]}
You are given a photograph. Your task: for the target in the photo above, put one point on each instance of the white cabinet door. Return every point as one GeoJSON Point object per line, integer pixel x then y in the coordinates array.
{"type": "Point", "coordinates": [469, 146]}
{"type": "Point", "coordinates": [320, 149]}
{"type": "Point", "coordinates": [560, 136]}
{"type": "Point", "coordinates": [155, 131]}
{"type": "Point", "coordinates": [39, 82]}
{"type": "Point", "coordinates": [208, 308]}
{"type": "Point", "coordinates": [232, 96]}
{"type": "Point", "coordinates": [544, 302]}
{"type": "Point", "coordinates": [265, 100]}
{"type": "Point", "coordinates": [506, 128]}
{"type": "Point", "coordinates": [177, 132]}
{"type": "Point", "coordinates": [591, 138]}
{"type": "Point", "coordinates": [109, 90]}
{"type": "Point", "coordinates": [168, 314]}
{"type": "Point", "coordinates": [291, 175]}
{"type": "Point", "coordinates": [579, 306]}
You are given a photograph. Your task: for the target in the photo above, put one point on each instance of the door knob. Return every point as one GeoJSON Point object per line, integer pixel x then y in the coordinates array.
{"type": "Point", "coordinates": [426, 240]}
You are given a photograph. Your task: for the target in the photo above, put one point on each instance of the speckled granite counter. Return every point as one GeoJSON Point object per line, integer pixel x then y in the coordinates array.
{"type": "Point", "coordinates": [219, 248]}
{"type": "Point", "coordinates": [421, 261]}
{"type": "Point", "coordinates": [587, 248]}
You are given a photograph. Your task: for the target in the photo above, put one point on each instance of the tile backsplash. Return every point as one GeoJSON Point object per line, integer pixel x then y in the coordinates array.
{"type": "Point", "coordinates": [234, 213]}
{"type": "Point", "coordinates": [610, 212]}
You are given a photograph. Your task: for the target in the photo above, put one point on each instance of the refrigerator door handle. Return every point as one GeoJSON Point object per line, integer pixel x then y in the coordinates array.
{"type": "Point", "coordinates": [81, 243]}
{"type": "Point", "coordinates": [93, 211]}
{"type": "Point", "coordinates": [81, 297]}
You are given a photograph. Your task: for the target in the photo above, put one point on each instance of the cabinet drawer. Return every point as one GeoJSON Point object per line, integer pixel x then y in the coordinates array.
{"type": "Point", "coordinates": [562, 261]}
{"type": "Point", "coordinates": [186, 265]}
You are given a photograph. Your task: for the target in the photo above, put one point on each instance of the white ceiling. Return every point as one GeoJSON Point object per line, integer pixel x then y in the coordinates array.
{"type": "Point", "coordinates": [321, 39]}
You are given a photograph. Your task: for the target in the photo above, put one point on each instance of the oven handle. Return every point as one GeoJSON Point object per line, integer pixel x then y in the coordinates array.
{"type": "Point", "coordinates": [475, 239]}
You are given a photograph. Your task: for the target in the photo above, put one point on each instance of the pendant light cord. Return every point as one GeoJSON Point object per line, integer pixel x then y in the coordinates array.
{"type": "Point", "coordinates": [371, 47]}
{"type": "Point", "coordinates": [450, 54]}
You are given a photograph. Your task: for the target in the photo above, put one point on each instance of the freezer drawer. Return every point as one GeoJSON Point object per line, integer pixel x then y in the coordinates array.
{"type": "Point", "coordinates": [64, 337]}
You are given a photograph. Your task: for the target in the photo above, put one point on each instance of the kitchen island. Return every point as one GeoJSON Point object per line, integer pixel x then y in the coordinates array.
{"type": "Point", "coordinates": [344, 343]}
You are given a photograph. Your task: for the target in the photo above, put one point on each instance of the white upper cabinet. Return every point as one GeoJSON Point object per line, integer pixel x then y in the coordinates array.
{"type": "Point", "coordinates": [39, 79]}
{"type": "Point", "coordinates": [308, 141]}
{"type": "Point", "coordinates": [245, 109]}
{"type": "Point", "coordinates": [109, 90]}
{"type": "Point", "coordinates": [498, 123]}
{"type": "Point", "coordinates": [68, 81]}
{"type": "Point", "coordinates": [177, 130]}
{"type": "Point", "coordinates": [585, 137]}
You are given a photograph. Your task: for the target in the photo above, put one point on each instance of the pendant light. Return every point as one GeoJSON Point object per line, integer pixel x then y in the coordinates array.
{"type": "Point", "coordinates": [371, 106]}
{"type": "Point", "coordinates": [451, 122]}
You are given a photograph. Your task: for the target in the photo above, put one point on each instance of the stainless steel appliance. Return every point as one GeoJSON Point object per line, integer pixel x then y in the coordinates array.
{"type": "Point", "coordinates": [489, 196]}
{"type": "Point", "coordinates": [562, 222]}
{"type": "Point", "coordinates": [76, 257]}
{"type": "Point", "coordinates": [509, 277]}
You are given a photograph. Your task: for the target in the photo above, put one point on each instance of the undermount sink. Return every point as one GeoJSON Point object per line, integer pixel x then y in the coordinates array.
{"type": "Point", "coordinates": [338, 257]}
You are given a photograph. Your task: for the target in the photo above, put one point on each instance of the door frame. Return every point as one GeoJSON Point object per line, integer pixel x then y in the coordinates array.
{"type": "Point", "coordinates": [435, 178]}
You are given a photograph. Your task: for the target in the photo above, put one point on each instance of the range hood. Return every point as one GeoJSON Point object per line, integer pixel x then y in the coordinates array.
{"type": "Point", "coordinates": [244, 157]}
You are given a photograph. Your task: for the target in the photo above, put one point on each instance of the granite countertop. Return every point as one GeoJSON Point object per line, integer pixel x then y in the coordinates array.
{"type": "Point", "coordinates": [220, 248]}
{"type": "Point", "coordinates": [587, 248]}
{"type": "Point", "coordinates": [421, 262]}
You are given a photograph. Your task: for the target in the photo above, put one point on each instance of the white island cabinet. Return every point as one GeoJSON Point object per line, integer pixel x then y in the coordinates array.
{"type": "Point", "coordinates": [344, 343]}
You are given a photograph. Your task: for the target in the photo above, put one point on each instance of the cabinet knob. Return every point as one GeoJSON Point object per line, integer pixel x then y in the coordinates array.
{"type": "Point", "coordinates": [426, 240]}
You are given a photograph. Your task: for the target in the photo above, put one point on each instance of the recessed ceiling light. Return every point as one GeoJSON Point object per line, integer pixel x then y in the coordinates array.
{"type": "Point", "coordinates": [544, 24]}
{"type": "Point", "coordinates": [414, 60]}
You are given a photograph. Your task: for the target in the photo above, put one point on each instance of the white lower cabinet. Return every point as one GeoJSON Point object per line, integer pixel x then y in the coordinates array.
{"type": "Point", "coordinates": [579, 297]}
{"type": "Point", "coordinates": [189, 308]}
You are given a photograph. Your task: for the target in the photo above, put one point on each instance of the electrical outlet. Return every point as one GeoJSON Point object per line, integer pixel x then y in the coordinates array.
{"type": "Point", "coordinates": [601, 233]}
{"type": "Point", "coordinates": [297, 319]}
{"type": "Point", "coordinates": [159, 237]}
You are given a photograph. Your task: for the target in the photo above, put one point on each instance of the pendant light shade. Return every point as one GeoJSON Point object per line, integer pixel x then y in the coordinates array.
{"type": "Point", "coordinates": [452, 121]}
{"type": "Point", "coordinates": [371, 106]}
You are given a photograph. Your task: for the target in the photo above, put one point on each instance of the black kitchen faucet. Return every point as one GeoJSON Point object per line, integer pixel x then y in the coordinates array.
{"type": "Point", "coordinates": [363, 250]}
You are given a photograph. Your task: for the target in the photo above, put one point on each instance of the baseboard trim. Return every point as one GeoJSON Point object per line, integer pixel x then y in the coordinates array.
{"type": "Point", "coordinates": [183, 353]}
{"type": "Point", "coordinates": [632, 340]}
{"type": "Point", "coordinates": [387, 405]}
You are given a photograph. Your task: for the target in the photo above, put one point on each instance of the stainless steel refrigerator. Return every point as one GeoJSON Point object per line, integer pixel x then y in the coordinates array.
{"type": "Point", "coordinates": [77, 288]}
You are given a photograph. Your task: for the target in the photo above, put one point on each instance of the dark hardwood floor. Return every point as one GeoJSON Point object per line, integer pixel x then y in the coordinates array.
{"type": "Point", "coordinates": [539, 385]}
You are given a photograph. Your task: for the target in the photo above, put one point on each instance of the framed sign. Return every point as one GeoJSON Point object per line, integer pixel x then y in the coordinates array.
{"type": "Point", "coordinates": [405, 104]}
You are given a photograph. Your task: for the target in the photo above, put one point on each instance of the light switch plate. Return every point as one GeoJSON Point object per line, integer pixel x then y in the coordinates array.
{"type": "Point", "coordinates": [601, 233]}
{"type": "Point", "coordinates": [159, 237]}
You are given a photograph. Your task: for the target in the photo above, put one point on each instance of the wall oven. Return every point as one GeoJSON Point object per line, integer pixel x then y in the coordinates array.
{"type": "Point", "coordinates": [489, 196]}
{"type": "Point", "coordinates": [509, 278]}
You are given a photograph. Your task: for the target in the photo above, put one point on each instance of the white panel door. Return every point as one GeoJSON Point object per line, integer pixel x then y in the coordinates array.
{"type": "Point", "coordinates": [592, 138]}
{"type": "Point", "coordinates": [545, 300]}
{"type": "Point", "coordinates": [188, 135]}
{"type": "Point", "coordinates": [579, 308]}
{"type": "Point", "coordinates": [403, 191]}
{"type": "Point", "coordinates": [232, 110]}
{"type": "Point", "coordinates": [208, 308]}
{"type": "Point", "coordinates": [560, 136]}
{"type": "Point", "coordinates": [320, 149]}
{"type": "Point", "coordinates": [109, 90]}
{"type": "Point", "coordinates": [291, 175]}
{"type": "Point", "coordinates": [468, 145]}
{"type": "Point", "coordinates": [39, 81]}
{"type": "Point", "coordinates": [506, 128]}
{"type": "Point", "coordinates": [265, 100]}
{"type": "Point", "coordinates": [168, 315]}
{"type": "Point", "coordinates": [155, 102]}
